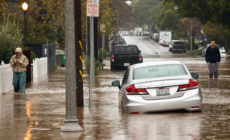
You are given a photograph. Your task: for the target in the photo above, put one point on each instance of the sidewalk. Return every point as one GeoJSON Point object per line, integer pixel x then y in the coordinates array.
{"type": "Point", "coordinates": [40, 113]}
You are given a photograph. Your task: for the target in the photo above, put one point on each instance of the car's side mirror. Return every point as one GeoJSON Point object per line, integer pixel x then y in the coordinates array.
{"type": "Point", "coordinates": [116, 84]}
{"type": "Point", "coordinates": [139, 51]}
{"type": "Point", "coordinates": [195, 75]}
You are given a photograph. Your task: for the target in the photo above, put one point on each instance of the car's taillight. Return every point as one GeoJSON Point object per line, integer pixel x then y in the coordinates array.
{"type": "Point", "coordinates": [192, 85]}
{"type": "Point", "coordinates": [139, 57]}
{"type": "Point", "coordinates": [223, 52]}
{"type": "Point", "coordinates": [113, 58]}
{"type": "Point", "coordinates": [131, 90]}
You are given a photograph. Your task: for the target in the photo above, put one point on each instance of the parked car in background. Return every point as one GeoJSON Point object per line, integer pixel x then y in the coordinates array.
{"type": "Point", "coordinates": [140, 33]}
{"type": "Point", "coordinates": [146, 32]}
{"type": "Point", "coordinates": [125, 33]}
{"type": "Point", "coordinates": [165, 41]}
{"type": "Point", "coordinates": [151, 35]}
{"type": "Point", "coordinates": [159, 86]}
{"type": "Point", "coordinates": [155, 37]}
{"type": "Point", "coordinates": [131, 33]}
{"type": "Point", "coordinates": [125, 55]}
{"type": "Point", "coordinates": [135, 33]}
{"type": "Point", "coordinates": [115, 42]}
{"type": "Point", "coordinates": [177, 46]}
{"type": "Point", "coordinates": [222, 50]}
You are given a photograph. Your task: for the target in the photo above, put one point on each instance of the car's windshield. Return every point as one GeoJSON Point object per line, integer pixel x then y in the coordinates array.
{"type": "Point", "coordinates": [126, 50]}
{"type": "Point", "coordinates": [179, 43]}
{"type": "Point", "coordinates": [159, 71]}
{"type": "Point", "coordinates": [168, 40]}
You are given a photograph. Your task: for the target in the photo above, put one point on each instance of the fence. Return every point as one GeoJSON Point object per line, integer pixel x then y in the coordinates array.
{"type": "Point", "coordinates": [40, 67]}
{"type": "Point", "coordinates": [51, 56]}
{"type": "Point", "coordinates": [45, 50]}
{"type": "Point", "coordinates": [6, 78]}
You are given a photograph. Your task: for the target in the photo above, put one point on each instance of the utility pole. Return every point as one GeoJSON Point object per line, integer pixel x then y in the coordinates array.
{"type": "Point", "coordinates": [71, 121]}
{"type": "Point", "coordinates": [88, 36]}
{"type": "Point", "coordinates": [96, 37]}
{"type": "Point", "coordinates": [78, 52]}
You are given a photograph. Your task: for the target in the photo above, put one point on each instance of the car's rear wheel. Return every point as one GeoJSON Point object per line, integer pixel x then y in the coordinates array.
{"type": "Point", "coordinates": [112, 67]}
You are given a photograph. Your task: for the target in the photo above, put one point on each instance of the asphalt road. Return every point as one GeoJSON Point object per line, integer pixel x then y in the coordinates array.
{"type": "Point", "coordinates": [147, 46]}
{"type": "Point", "coordinates": [40, 113]}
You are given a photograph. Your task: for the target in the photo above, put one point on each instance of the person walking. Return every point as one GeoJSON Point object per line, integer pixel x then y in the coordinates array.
{"type": "Point", "coordinates": [19, 62]}
{"type": "Point", "coordinates": [213, 58]}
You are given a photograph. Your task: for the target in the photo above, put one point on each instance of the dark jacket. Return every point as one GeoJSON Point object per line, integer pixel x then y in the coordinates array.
{"type": "Point", "coordinates": [212, 55]}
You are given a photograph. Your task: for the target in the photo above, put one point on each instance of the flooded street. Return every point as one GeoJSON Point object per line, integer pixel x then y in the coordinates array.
{"type": "Point", "coordinates": [40, 113]}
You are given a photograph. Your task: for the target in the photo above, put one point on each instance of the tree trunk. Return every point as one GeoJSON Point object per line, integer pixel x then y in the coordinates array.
{"type": "Point", "coordinates": [78, 52]}
{"type": "Point", "coordinates": [100, 41]}
{"type": "Point", "coordinates": [107, 43]}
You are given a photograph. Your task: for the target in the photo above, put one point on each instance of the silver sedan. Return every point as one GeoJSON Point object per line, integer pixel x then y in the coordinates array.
{"type": "Point", "coordinates": [159, 86]}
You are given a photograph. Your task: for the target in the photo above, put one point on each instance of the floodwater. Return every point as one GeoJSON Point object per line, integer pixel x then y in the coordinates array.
{"type": "Point", "coordinates": [40, 113]}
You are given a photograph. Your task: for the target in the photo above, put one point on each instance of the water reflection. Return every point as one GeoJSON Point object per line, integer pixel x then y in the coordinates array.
{"type": "Point", "coordinates": [164, 126]}
{"type": "Point", "coordinates": [213, 83]}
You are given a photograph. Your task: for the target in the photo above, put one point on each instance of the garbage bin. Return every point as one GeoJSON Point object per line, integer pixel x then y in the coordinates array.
{"type": "Point", "coordinates": [62, 60]}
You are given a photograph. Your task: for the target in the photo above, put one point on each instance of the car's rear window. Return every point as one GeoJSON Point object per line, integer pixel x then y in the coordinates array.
{"type": "Point", "coordinates": [159, 71]}
{"type": "Point", "coordinates": [221, 49]}
{"type": "Point", "coordinates": [179, 43]}
{"type": "Point", "coordinates": [126, 50]}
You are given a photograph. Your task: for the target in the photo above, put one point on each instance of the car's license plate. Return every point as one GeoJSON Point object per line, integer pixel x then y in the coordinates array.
{"type": "Point", "coordinates": [126, 64]}
{"type": "Point", "coordinates": [163, 91]}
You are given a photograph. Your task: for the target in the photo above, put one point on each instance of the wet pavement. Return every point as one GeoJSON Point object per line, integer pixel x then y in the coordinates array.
{"type": "Point", "coordinates": [40, 113]}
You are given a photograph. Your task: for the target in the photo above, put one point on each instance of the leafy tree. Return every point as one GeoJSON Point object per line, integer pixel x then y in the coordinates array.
{"type": "Point", "coordinates": [205, 10]}
{"type": "Point", "coordinates": [155, 10]}
{"type": "Point", "coordinates": [191, 26]}
{"type": "Point", "coordinates": [168, 18]}
{"type": "Point", "coordinates": [213, 14]}
{"type": "Point", "coordinates": [10, 38]}
{"type": "Point", "coordinates": [45, 20]}
{"type": "Point", "coordinates": [142, 10]}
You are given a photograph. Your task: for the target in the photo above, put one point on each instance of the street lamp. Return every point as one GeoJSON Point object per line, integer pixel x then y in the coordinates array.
{"type": "Point", "coordinates": [25, 8]}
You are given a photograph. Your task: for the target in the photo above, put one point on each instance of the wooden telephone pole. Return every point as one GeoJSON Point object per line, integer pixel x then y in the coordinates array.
{"type": "Point", "coordinates": [78, 52]}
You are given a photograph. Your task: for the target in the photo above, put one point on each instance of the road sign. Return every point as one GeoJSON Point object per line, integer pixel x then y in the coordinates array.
{"type": "Point", "coordinates": [92, 8]}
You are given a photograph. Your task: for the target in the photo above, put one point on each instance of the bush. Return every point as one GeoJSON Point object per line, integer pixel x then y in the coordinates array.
{"type": "Point", "coordinates": [10, 38]}
{"type": "Point", "coordinates": [194, 52]}
{"type": "Point", "coordinates": [187, 44]}
{"type": "Point", "coordinates": [32, 54]}
{"type": "Point", "coordinates": [228, 52]}
{"type": "Point", "coordinates": [98, 67]}
{"type": "Point", "coordinates": [100, 59]}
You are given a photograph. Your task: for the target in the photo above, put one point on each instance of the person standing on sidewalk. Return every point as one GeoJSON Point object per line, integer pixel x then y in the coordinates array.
{"type": "Point", "coordinates": [19, 62]}
{"type": "Point", "coordinates": [213, 58]}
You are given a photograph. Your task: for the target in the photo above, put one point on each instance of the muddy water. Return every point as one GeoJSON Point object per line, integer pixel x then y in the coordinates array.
{"type": "Point", "coordinates": [41, 112]}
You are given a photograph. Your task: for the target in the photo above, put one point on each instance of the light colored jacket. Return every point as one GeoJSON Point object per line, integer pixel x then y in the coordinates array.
{"type": "Point", "coordinates": [19, 67]}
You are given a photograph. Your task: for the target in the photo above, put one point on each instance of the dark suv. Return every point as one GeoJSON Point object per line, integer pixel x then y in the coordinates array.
{"type": "Point", "coordinates": [124, 56]}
